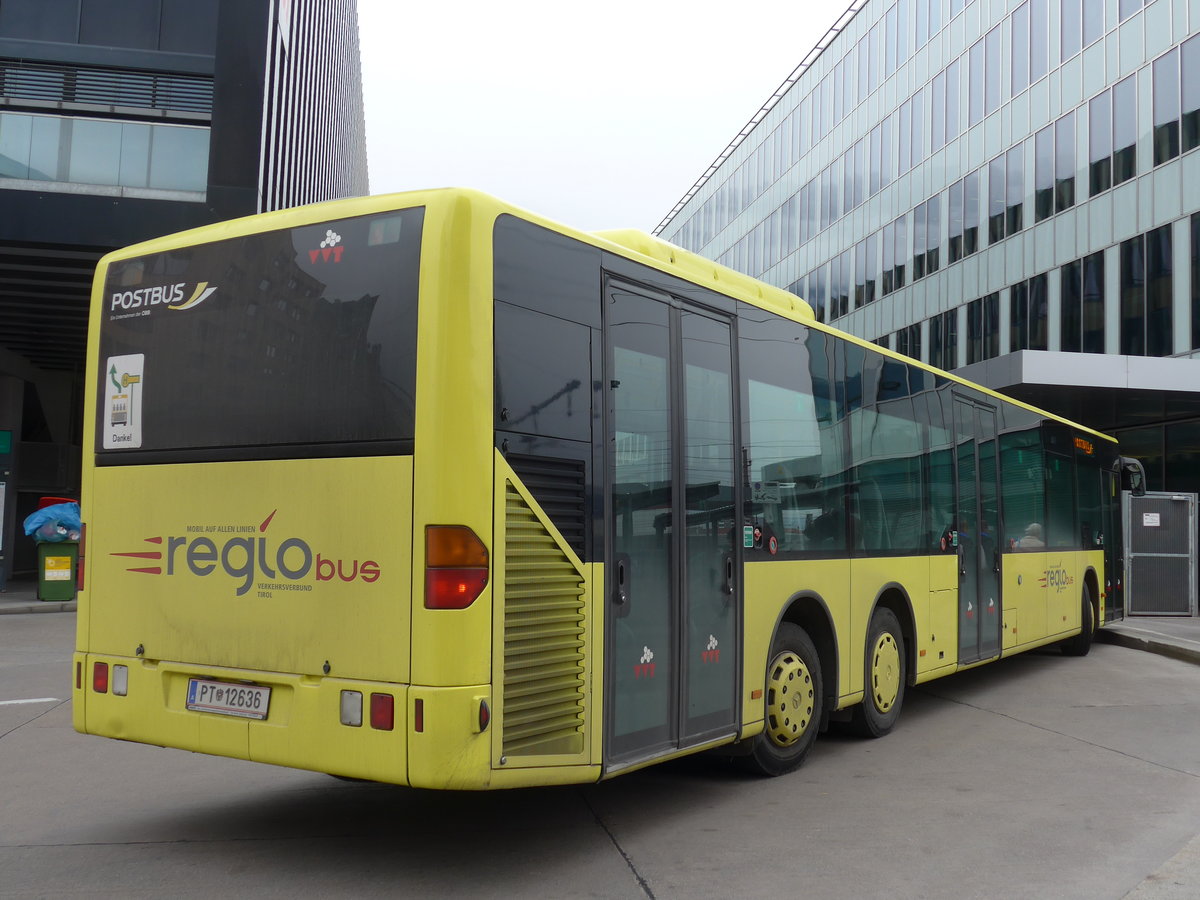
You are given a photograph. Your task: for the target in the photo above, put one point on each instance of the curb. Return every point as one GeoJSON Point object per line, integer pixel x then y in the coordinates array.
{"type": "Point", "coordinates": [1150, 645]}
{"type": "Point", "coordinates": [37, 606]}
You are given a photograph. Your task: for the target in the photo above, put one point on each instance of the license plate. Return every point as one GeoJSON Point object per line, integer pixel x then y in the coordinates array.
{"type": "Point", "coordinates": [250, 701]}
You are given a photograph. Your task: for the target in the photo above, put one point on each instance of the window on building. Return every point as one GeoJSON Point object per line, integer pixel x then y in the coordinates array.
{"type": "Point", "coordinates": [918, 125]}
{"type": "Point", "coordinates": [875, 161]}
{"type": "Point", "coordinates": [1166, 107]}
{"type": "Point", "coordinates": [1100, 137]}
{"type": "Point", "coordinates": [1039, 39]}
{"type": "Point", "coordinates": [971, 213]}
{"type": "Point", "coordinates": [992, 95]}
{"type": "Point", "coordinates": [908, 341]}
{"type": "Point", "coordinates": [953, 121]}
{"type": "Point", "coordinates": [901, 252]}
{"type": "Point", "coordinates": [1028, 314]}
{"type": "Point", "coordinates": [996, 194]}
{"type": "Point", "coordinates": [1093, 20]}
{"type": "Point", "coordinates": [1070, 27]}
{"type": "Point", "coordinates": [904, 139]}
{"type": "Point", "coordinates": [943, 340]}
{"type": "Point", "coordinates": [933, 233]}
{"type": "Point", "coordinates": [818, 296]}
{"type": "Point", "coordinates": [1124, 113]}
{"type": "Point", "coordinates": [887, 154]}
{"type": "Point", "coordinates": [976, 83]}
{"type": "Point", "coordinates": [1133, 296]}
{"type": "Point", "coordinates": [1064, 162]}
{"type": "Point", "coordinates": [954, 205]}
{"type": "Point", "coordinates": [1196, 281]}
{"type": "Point", "coordinates": [872, 253]}
{"type": "Point", "coordinates": [1020, 48]}
{"type": "Point", "coordinates": [1159, 292]}
{"type": "Point", "coordinates": [1071, 276]}
{"type": "Point", "coordinates": [1189, 61]}
{"type": "Point", "coordinates": [887, 283]}
{"type": "Point", "coordinates": [1083, 305]}
{"type": "Point", "coordinates": [919, 240]}
{"type": "Point", "coordinates": [1043, 174]}
{"type": "Point", "coordinates": [983, 328]}
{"type": "Point", "coordinates": [839, 303]}
{"type": "Point", "coordinates": [937, 117]}
{"type": "Point", "coordinates": [1015, 178]}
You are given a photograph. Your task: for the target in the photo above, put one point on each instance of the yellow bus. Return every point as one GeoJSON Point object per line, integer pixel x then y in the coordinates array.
{"type": "Point", "coordinates": [429, 490]}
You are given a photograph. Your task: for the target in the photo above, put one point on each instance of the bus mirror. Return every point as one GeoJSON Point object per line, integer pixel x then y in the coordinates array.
{"type": "Point", "coordinates": [1133, 476]}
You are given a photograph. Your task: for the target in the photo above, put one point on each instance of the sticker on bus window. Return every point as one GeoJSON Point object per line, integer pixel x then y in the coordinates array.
{"type": "Point", "coordinates": [122, 411]}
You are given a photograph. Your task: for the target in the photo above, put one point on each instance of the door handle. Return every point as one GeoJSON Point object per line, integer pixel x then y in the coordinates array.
{"type": "Point", "coordinates": [728, 586]}
{"type": "Point", "coordinates": [621, 594]}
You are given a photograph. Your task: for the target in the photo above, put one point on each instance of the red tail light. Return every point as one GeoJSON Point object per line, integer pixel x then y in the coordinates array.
{"type": "Point", "coordinates": [100, 678]}
{"type": "Point", "coordinates": [383, 712]}
{"type": "Point", "coordinates": [456, 567]}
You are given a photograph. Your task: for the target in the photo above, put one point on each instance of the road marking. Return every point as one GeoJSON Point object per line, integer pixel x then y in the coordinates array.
{"type": "Point", "coordinates": [34, 700]}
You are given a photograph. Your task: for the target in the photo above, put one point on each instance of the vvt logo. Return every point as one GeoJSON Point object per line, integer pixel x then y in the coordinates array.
{"type": "Point", "coordinates": [290, 560]}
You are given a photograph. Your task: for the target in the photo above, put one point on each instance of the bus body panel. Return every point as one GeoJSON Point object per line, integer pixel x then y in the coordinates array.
{"type": "Point", "coordinates": [234, 564]}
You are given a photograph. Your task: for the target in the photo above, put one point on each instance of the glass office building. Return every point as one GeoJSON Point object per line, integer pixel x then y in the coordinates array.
{"type": "Point", "coordinates": [1006, 188]}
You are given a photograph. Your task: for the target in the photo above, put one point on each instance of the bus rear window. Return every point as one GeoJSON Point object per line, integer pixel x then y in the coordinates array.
{"type": "Point", "coordinates": [268, 345]}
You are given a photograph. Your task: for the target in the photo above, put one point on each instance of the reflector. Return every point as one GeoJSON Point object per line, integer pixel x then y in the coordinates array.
{"type": "Point", "coordinates": [120, 680]}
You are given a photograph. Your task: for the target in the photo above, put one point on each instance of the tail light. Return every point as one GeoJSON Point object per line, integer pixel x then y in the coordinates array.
{"type": "Point", "coordinates": [383, 712]}
{"type": "Point", "coordinates": [100, 678]}
{"type": "Point", "coordinates": [456, 567]}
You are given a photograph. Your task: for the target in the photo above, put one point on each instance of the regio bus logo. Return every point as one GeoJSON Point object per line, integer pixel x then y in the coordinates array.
{"type": "Point", "coordinates": [1058, 578]}
{"type": "Point", "coordinates": [283, 566]}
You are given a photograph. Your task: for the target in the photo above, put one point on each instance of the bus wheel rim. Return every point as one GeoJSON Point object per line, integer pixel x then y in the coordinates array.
{"type": "Point", "coordinates": [885, 672]}
{"type": "Point", "coordinates": [791, 699]}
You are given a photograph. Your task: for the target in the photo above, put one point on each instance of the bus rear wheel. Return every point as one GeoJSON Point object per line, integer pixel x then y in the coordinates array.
{"type": "Point", "coordinates": [795, 703]}
{"type": "Point", "coordinates": [1082, 642]}
{"type": "Point", "coordinates": [884, 677]}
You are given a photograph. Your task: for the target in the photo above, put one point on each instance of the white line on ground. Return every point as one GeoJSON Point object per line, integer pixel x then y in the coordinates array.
{"type": "Point", "coordinates": [34, 700]}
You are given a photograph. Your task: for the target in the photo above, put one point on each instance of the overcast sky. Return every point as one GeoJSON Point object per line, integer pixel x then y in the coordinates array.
{"type": "Point", "coordinates": [599, 115]}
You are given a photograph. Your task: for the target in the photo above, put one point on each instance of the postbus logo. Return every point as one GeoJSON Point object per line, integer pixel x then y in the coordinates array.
{"type": "Point", "coordinates": [250, 557]}
{"type": "Point", "coordinates": [1058, 578]}
{"type": "Point", "coordinates": [170, 295]}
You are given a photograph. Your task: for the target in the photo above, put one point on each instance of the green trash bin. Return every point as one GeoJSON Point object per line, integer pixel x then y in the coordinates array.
{"type": "Point", "coordinates": [56, 570]}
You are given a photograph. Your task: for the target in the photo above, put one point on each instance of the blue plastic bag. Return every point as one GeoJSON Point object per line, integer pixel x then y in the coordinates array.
{"type": "Point", "coordinates": [56, 523]}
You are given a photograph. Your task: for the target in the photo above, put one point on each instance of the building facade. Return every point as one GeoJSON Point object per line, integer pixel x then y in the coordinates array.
{"type": "Point", "coordinates": [123, 120]}
{"type": "Point", "coordinates": [1006, 188]}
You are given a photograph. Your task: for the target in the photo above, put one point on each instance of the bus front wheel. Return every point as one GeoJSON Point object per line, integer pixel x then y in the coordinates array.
{"type": "Point", "coordinates": [883, 688]}
{"type": "Point", "coordinates": [794, 701]}
{"type": "Point", "coordinates": [1082, 642]}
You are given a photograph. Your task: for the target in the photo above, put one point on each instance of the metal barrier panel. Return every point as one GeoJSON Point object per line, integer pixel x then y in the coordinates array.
{"type": "Point", "coordinates": [1160, 554]}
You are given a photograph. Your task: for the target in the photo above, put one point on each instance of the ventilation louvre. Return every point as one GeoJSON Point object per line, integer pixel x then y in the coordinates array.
{"type": "Point", "coordinates": [543, 695]}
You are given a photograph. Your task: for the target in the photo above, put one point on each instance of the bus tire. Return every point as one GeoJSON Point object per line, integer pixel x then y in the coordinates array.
{"type": "Point", "coordinates": [1080, 644]}
{"type": "Point", "coordinates": [794, 704]}
{"type": "Point", "coordinates": [884, 677]}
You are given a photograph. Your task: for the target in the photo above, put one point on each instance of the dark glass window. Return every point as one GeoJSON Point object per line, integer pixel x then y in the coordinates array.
{"type": "Point", "coordinates": [1018, 317]}
{"type": "Point", "coordinates": [1064, 162]}
{"type": "Point", "coordinates": [1023, 488]}
{"type": "Point", "coordinates": [887, 284]}
{"type": "Point", "coordinates": [1060, 502]}
{"type": "Point", "coordinates": [1196, 281]}
{"type": "Point", "coordinates": [955, 221]}
{"type": "Point", "coordinates": [1133, 296]}
{"type": "Point", "coordinates": [872, 243]}
{"type": "Point", "coordinates": [1039, 312]}
{"type": "Point", "coordinates": [1015, 178]}
{"type": "Point", "coordinates": [1124, 113]}
{"type": "Point", "coordinates": [40, 20]}
{"type": "Point", "coordinates": [1159, 292]}
{"type": "Point", "coordinates": [1189, 55]}
{"type": "Point", "coordinates": [933, 233]}
{"type": "Point", "coordinates": [1071, 276]}
{"type": "Point", "coordinates": [901, 251]}
{"type": "Point", "coordinates": [1093, 303]}
{"type": "Point", "coordinates": [324, 336]}
{"type": "Point", "coordinates": [943, 340]}
{"type": "Point", "coordinates": [1100, 138]}
{"type": "Point", "coordinates": [996, 193]}
{"type": "Point", "coordinates": [818, 298]}
{"type": "Point", "coordinates": [843, 269]}
{"type": "Point", "coordinates": [971, 213]}
{"type": "Point", "coordinates": [1043, 174]}
{"type": "Point", "coordinates": [919, 239]}
{"type": "Point", "coordinates": [1166, 107]}
{"type": "Point", "coordinates": [983, 328]}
